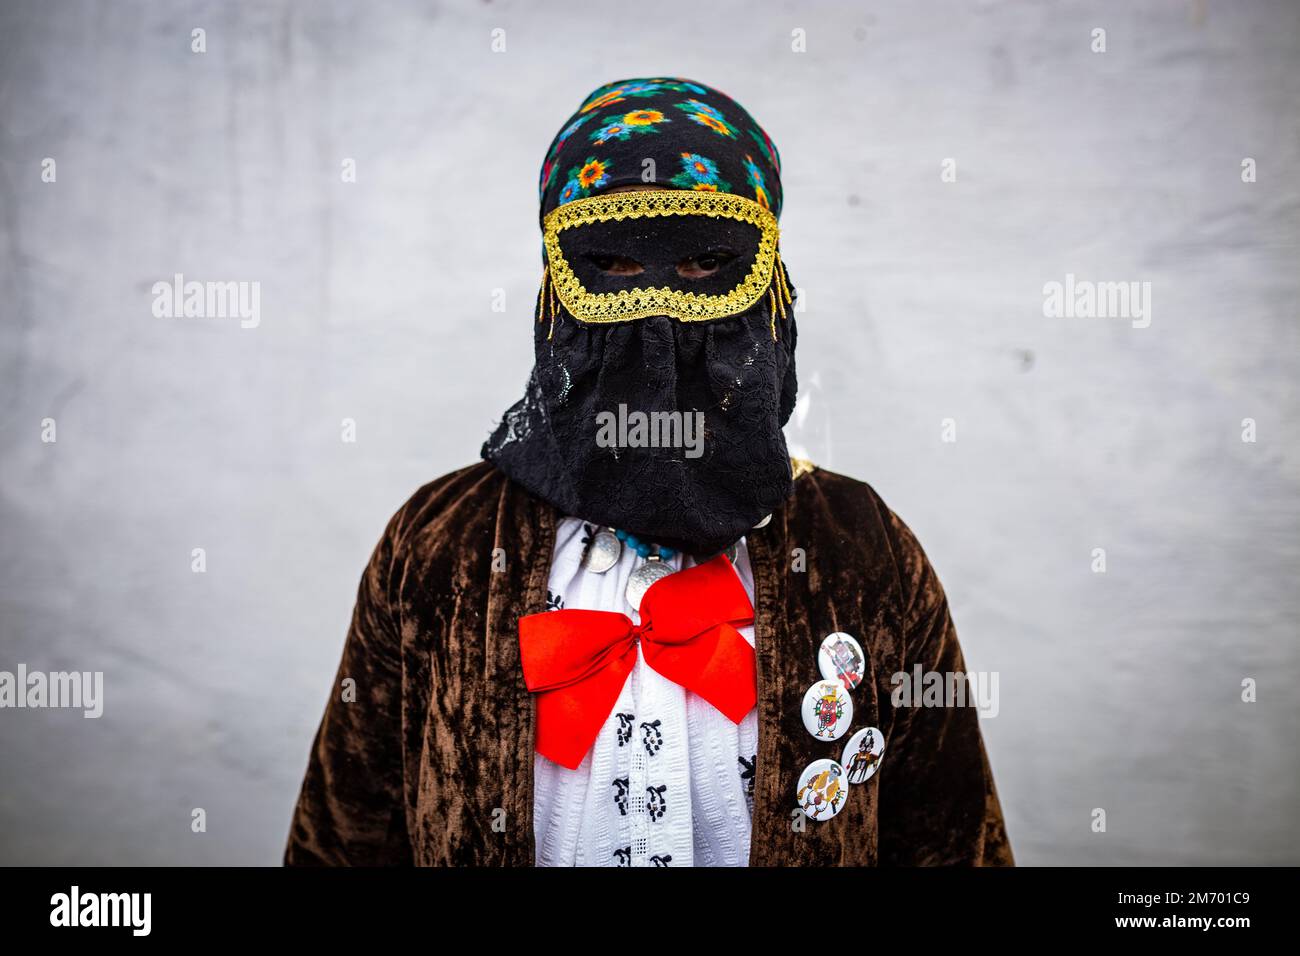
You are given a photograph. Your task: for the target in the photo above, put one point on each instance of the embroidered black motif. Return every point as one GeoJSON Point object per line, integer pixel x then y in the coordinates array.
{"type": "Point", "coordinates": [588, 532]}
{"type": "Point", "coordinates": [625, 728]}
{"type": "Point", "coordinates": [554, 602]}
{"type": "Point", "coordinates": [658, 860]}
{"type": "Point", "coordinates": [624, 856]}
{"type": "Point", "coordinates": [656, 805]}
{"type": "Point", "coordinates": [620, 795]}
{"type": "Point", "coordinates": [651, 736]}
{"type": "Point", "coordinates": [747, 773]}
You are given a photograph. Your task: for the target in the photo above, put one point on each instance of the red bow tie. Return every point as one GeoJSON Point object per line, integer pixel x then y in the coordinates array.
{"type": "Point", "coordinates": [576, 662]}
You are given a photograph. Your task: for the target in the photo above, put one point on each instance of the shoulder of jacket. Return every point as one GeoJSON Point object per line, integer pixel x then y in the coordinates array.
{"type": "Point", "coordinates": [455, 505]}
{"type": "Point", "coordinates": [851, 500]}
{"type": "Point", "coordinates": [862, 519]}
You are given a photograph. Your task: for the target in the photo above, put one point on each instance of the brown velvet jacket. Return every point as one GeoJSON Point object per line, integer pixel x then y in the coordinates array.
{"type": "Point", "coordinates": [431, 761]}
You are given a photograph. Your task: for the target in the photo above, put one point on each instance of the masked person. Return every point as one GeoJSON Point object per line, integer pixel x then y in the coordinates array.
{"type": "Point", "coordinates": [638, 633]}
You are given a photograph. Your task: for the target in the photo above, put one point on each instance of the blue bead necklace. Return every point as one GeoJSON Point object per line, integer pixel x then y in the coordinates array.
{"type": "Point", "coordinates": [644, 548]}
{"type": "Point", "coordinates": [605, 547]}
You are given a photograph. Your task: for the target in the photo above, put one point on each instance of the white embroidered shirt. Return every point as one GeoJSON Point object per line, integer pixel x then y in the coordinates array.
{"type": "Point", "coordinates": [669, 780]}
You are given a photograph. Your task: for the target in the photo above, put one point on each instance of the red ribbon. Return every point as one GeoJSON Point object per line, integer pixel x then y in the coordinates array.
{"type": "Point", "coordinates": [576, 661]}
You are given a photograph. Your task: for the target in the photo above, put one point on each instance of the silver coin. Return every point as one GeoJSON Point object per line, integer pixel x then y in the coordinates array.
{"type": "Point", "coordinates": [643, 577]}
{"type": "Point", "coordinates": [603, 551]}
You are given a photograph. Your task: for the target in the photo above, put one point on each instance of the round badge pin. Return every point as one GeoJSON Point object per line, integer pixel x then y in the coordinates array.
{"type": "Point", "coordinates": [827, 710]}
{"type": "Point", "coordinates": [840, 658]}
{"type": "Point", "coordinates": [862, 754]}
{"type": "Point", "coordinates": [823, 789]}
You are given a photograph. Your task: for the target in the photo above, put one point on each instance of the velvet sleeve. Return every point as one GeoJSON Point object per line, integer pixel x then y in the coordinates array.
{"type": "Point", "coordinates": [350, 809]}
{"type": "Point", "coordinates": [938, 802]}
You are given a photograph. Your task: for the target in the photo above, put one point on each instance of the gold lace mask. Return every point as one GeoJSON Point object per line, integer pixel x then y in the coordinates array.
{"type": "Point", "coordinates": [659, 229]}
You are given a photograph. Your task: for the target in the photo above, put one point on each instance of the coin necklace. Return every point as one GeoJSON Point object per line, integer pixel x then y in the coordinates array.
{"type": "Point", "coordinates": [605, 548]}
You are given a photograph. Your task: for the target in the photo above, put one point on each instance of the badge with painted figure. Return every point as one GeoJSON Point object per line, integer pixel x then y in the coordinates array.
{"type": "Point", "coordinates": [827, 710]}
{"type": "Point", "coordinates": [823, 789]}
{"type": "Point", "coordinates": [862, 754]}
{"type": "Point", "coordinates": [840, 658]}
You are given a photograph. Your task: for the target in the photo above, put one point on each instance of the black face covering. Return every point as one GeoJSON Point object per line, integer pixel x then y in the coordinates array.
{"type": "Point", "coordinates": [666, 424]}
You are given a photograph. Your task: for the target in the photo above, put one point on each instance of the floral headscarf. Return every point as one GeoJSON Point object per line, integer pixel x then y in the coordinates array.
{"type": "Point", "coordinates": [672, 132]}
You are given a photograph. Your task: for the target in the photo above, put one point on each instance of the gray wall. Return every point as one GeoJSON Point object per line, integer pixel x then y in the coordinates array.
{"type": "Point", "coordinates": [924, 302]}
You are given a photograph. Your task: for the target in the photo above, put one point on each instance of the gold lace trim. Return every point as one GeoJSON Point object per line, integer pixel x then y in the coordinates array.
{"type": "Point", "coordinates": [628, 304]}
{"type": "Point", "coordinates": [800, 467]}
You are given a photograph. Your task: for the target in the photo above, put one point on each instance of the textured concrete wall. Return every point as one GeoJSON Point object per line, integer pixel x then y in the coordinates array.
{"type": "Point", "coordinates": [924, 302]}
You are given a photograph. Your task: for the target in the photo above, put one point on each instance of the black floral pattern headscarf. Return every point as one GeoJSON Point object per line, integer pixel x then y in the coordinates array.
{"type": "Point", "coordinates": [647, 131]}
